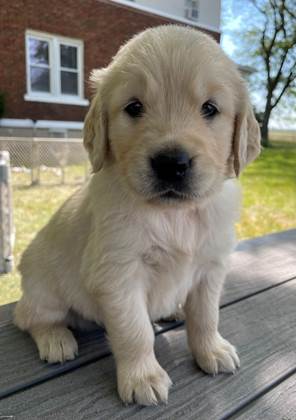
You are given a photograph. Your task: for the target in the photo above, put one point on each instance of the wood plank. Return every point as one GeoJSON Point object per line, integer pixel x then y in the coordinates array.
{"type": "Point", "coordinates": [6, 313]}
{"type": "Point", "coordinates": [20, 363]}
{"type": "Point", "coordinates": [263, 261]}
{"type": "Point", "coordinates": [279, 403]}
{"type": "Point", "coordinates": [30, 370]}
{"type": "Point", "coordinates": [273, 257]}
{"type": "Point", "coordinates": [262, 327]}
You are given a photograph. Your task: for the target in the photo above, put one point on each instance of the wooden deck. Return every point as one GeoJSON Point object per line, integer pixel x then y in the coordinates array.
{"type": "Point", "coordinates": [258, 315]}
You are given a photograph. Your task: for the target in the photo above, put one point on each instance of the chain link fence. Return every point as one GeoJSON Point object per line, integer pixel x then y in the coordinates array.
{"type": "Point", "coordinates": [46, 160]}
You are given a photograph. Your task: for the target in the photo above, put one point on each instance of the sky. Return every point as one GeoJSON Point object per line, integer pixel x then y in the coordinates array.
{"type": "Point", "coordinates": [232, 16]}
{"type": "Point", "coordinates": [231, 11]}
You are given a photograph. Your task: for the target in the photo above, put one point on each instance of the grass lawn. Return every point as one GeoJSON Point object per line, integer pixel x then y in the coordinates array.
{"type": "Point", "coordinates": [269, 203]}
{"type": "Point", "coordinates": [269, 192]}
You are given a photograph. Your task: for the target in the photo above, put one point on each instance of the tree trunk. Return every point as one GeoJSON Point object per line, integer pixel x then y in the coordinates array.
{"type": "Point", "coordinates": [264, 126]}
{"type": "Point", "coordinates": [264, 133]}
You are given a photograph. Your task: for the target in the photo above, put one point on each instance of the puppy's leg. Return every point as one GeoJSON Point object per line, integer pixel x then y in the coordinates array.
{"type": "Point", "coordinates": [212, 352]}
{"type": "Point", "coordinates": [45, 321]}
{"type": "Point", "coordinates": [125, 316]}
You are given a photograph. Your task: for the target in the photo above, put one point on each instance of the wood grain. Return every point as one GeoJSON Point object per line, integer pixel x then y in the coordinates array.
{"type": "Point", "coordinates": [279, 403]}
{"type": "Point", "coordinates": [260, 263]}
{"type": "Point", "coordinates": [262, 327]}
{"type": "Point", "coordinates": [20, 365]}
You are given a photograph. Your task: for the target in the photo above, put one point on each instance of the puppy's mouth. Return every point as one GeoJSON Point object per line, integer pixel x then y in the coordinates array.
{"type": "Point", "coordinates": [171, 195]}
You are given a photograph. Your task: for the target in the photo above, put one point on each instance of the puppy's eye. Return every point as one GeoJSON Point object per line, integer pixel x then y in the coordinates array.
{"type": "Point", "coordinates": [134, 108]}
{"type": "Point", "coordinates": [209, 110]}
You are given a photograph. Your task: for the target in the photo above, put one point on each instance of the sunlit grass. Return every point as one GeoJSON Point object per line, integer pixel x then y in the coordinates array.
{"type": "Point", "coordinates": [269, 205]}
{"type": "Point", "coordinates": [32, 208]}
{"type": "Point", "coordinates": [269, 191]}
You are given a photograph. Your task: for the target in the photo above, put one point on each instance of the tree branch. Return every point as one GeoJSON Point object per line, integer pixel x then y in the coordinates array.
{"type": "Point", "coordinates": [258, 8]}
{"type": "Point", "coordinates": [289, 80]}
{"type": "Point", "coordinates": [276, 79]}
{"type": "Point", "coordinates": [293, 15]}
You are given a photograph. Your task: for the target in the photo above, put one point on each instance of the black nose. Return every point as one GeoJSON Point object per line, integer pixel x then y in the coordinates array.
{"type": "Point", "coordinates": [171, 165]}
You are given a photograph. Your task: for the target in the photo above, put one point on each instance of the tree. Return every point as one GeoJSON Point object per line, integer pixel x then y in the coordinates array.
{"type": "Point", "coordinates": [278, 50]}
{"type": "Point", "coordinates": [265, 38]}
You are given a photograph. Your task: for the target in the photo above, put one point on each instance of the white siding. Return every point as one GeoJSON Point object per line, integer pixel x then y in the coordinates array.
{"type": "Point", "coordinates": [209, 10]}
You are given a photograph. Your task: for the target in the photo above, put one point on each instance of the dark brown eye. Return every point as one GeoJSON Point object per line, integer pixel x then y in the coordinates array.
{"type": "Point", "coordinates": [209, 110]}
{"type": "Point", "coordinates": [134, 108]}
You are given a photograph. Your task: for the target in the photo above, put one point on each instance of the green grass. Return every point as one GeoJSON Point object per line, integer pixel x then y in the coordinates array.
{"type": "Point", "coordinates": [269, 203]}
{"type": "Point", "coordinates": [269, 192]}
{"type": "Point", "coordinates": [33, 207]}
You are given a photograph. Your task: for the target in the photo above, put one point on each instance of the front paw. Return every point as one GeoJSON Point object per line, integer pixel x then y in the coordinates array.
{"type": "Point", "coordinates": [56, 344]}
{"type": "Point", "coordinates": [216, 355]}
{"type": "Point", "coordinates": [143, 382]}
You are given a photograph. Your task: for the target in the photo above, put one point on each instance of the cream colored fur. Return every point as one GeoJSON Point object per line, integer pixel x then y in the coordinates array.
{"type": "Point", "coordinates": [116, 254]}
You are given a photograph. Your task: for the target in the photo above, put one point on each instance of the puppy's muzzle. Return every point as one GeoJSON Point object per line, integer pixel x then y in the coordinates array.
{"type": "Point", "coordinates": [172, 173]}
{"type": "Point", "coordinates": [171, 167]}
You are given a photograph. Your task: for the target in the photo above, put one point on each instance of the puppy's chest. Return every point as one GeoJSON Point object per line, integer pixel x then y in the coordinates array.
{"type": "Point", "coordinates": [170, 276]}
{"type": "Point", "coordinates": [157, 258]}
{"type": "Point", "coordinates": [169, 262]}
{"type": "Point", "coordinates": [171, 236]}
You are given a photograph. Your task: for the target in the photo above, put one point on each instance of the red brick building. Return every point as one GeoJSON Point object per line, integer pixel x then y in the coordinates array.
{"type": "Point", "coordinates": [48, 49]}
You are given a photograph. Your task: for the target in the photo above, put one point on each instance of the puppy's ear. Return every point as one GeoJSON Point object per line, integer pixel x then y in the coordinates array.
{"type": "Point", "coordinates": [246, 136]}
{"type": "Point", "coordinates": [95, 131]}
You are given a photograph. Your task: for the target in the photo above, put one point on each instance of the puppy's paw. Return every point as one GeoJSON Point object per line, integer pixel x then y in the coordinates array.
{"type": "Point", "coordinates": [216, 355]}
{"type": "Point", "coordinates": [146, 383]}
{"type": "Point", "coordinates": [56, 344]}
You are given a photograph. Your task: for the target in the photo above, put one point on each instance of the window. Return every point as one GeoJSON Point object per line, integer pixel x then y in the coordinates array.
{"type": "Point", "coordinates": [54, 69]}
{"type": "Point", "coordinates": [191, 9]}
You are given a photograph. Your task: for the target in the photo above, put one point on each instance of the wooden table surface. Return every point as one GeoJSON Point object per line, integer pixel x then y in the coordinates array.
{"type": "Point", "coordinates": [258, 316]}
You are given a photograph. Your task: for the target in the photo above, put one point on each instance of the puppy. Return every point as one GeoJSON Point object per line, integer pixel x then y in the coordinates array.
{"type": "Point", "coordinates": [168, 128]}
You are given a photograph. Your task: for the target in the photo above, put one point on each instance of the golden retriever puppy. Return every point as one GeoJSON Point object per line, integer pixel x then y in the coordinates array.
{"type": "Point", "coordinates": [169, 126]}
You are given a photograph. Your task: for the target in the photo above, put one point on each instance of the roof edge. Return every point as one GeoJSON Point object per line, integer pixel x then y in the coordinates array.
{"type": "Point", "coordinates": [149, 10]}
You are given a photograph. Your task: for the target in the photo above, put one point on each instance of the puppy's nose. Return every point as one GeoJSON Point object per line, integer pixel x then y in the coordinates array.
{"type": "Point", "coordinates": [171, 165]}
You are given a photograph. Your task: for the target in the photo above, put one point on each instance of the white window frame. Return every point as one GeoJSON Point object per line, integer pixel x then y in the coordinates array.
{"type": "Point", "coordinates": [55, 95]}
{"type": "Point", "coordinates": [189, 7]}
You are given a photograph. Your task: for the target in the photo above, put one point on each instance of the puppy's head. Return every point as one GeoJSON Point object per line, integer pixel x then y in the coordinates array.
{"type": "Point", "coordinates": [172, 114]}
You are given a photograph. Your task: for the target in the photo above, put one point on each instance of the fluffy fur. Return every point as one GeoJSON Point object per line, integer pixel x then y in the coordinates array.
{"type": "Point", "coordinates": [117, 252]}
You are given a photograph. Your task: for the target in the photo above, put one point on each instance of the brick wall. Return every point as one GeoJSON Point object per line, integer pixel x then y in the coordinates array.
{"type": "Point", "coordinates": [103, 26]}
